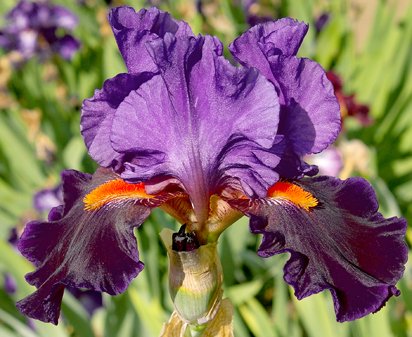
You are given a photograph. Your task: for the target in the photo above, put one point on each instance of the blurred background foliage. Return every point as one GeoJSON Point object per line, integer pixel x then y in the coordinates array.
{"type": "Point", "coordinates": [367, 43]}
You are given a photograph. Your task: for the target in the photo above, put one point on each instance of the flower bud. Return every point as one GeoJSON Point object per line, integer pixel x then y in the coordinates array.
{"type": "Point", "coordinates": [195, 281]}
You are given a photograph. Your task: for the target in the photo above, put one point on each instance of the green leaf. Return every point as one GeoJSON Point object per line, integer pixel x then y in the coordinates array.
{"type": "Point", "coordinates": [21, 328]}
{"type": "Point", "coordinates": [257, 319]}
{"type": "Point", "coordinates": [74, 152]}
{"type": "Point", "coordinates": [148, 310]}
{"type": "Point", "coordinates": [373, 325]}
{"type": "Point", "coordinates": [318, 318]}
{"type": "Point", "coordinates": [24, 167]}
{"type": "Point", "coordinates": [241, 293]}
{"type": "Point", "coordinates": [76, 315]}
{"type": "Point", "coordinates": [7, 333]}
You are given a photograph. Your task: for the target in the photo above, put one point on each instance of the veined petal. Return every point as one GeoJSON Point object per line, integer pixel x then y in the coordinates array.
{"type": "Point", "coordinates": [187, 121]}
{"type": "Point", "coordinates": [337, 241]}
{"type": "Point", "coordinates": [280, 37]}
{"type": "Point", "coordinates": [94, 249]}
{"type": "Point", "coordinates": [133, 30]}
{"type": "Point", "coordinates": [97, 116]}
{"type": "Point", "coordinates": [291, 165]}
{"type": "Point", "coordinates": [310, 113]}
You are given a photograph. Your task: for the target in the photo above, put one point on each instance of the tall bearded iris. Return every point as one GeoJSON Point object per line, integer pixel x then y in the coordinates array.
{"type": "Point", "coordinates": [39, 28]}
{"type": "Point", "coordinates": [206, 141]}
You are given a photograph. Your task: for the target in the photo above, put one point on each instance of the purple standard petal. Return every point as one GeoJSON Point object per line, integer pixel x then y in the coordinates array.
{"type": "Point", "coordinates": [342, 244]}
{"type": "Point", "coordinates": [92, 249]}
{"type": "Point", "coordinates": [133, 30]}
{"type": "Point", "coordinates": [309, 114]}
{"type": "Point", "coordinates": [280, 37]}
{"type": "Point", "coordinates": [98, 112]}
{"type": "Point", "coordinates": [196, 119]}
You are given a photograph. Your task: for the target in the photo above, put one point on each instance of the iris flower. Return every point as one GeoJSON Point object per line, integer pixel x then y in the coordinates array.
{"type": "Point", "coordinates": [35, 27]}
{"type": "Point", "coordinates": [208, 142]}
{"type": "Point", "coordinates": [48, 198]}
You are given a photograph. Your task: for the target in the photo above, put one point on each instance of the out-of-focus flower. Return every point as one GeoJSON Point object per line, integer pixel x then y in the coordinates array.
{"type": "Point", "coordinates": [321, 22]}
{"type": "Point", "coordinates": [5, 100]}
{"type": "Point", "coordinates": [211, 11]}
{"type": "Point", "coordinates": [348, 104]}
{"type": "Point", "coordinates": [345, 160]}
{"type": "Point", "coordinates": [13, 236]}
{"type": "Point", "coordinates": [254, 12]}
{"type": "Point", "coordinates": [45, 200]}
{"type": "Point", "coordinates": [90, 300]}
{"type": "Point", "coordinates": [329, 161]}
{"type": "Point", "coordinates": [39, 28]}
{"type": "Point", "coordinates": [9, 284]}
{"type": "Point", "coordinates": [356, 158]}
{"type": "Point", "coordinates": [207, 142]}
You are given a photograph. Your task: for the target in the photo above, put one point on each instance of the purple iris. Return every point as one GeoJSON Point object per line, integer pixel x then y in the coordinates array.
{"type": "Point", "coordinates": [46, 199]}
{"type": "Point", "coordinates": [207, 141]}
{"type": "Point", "coordinates": [9, 283]}
{"type": "Point", "coordinates": [39, 28]}
{"type": "Point", "coordinates": [249, 9]}
{"type": "Point", "coordinates": [321, 21]}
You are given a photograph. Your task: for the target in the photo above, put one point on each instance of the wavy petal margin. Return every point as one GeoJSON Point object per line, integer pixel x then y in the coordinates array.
{"type": "Point", "coordinates": [93, 249]}
{"type": "Point", "coordinates": [133, 30]}
{"type": "Point", "coordinates": [310, 113]}
{"type": "Point", "coordinates": [340, 242]}
{"type": "Point", "coordinates": [98, 113]}
{"type": "Point", "coordinates": [197, 119]}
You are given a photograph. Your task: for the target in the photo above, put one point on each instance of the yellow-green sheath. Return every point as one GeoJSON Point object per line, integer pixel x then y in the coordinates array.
{"type": "Point", "coordinates": [195, 281]}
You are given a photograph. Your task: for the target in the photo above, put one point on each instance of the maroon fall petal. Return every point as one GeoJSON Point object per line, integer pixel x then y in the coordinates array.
{"type": "Point", "coordinates": [343, 244]}
{"type": "Point", "coordinates": [79, 248]}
